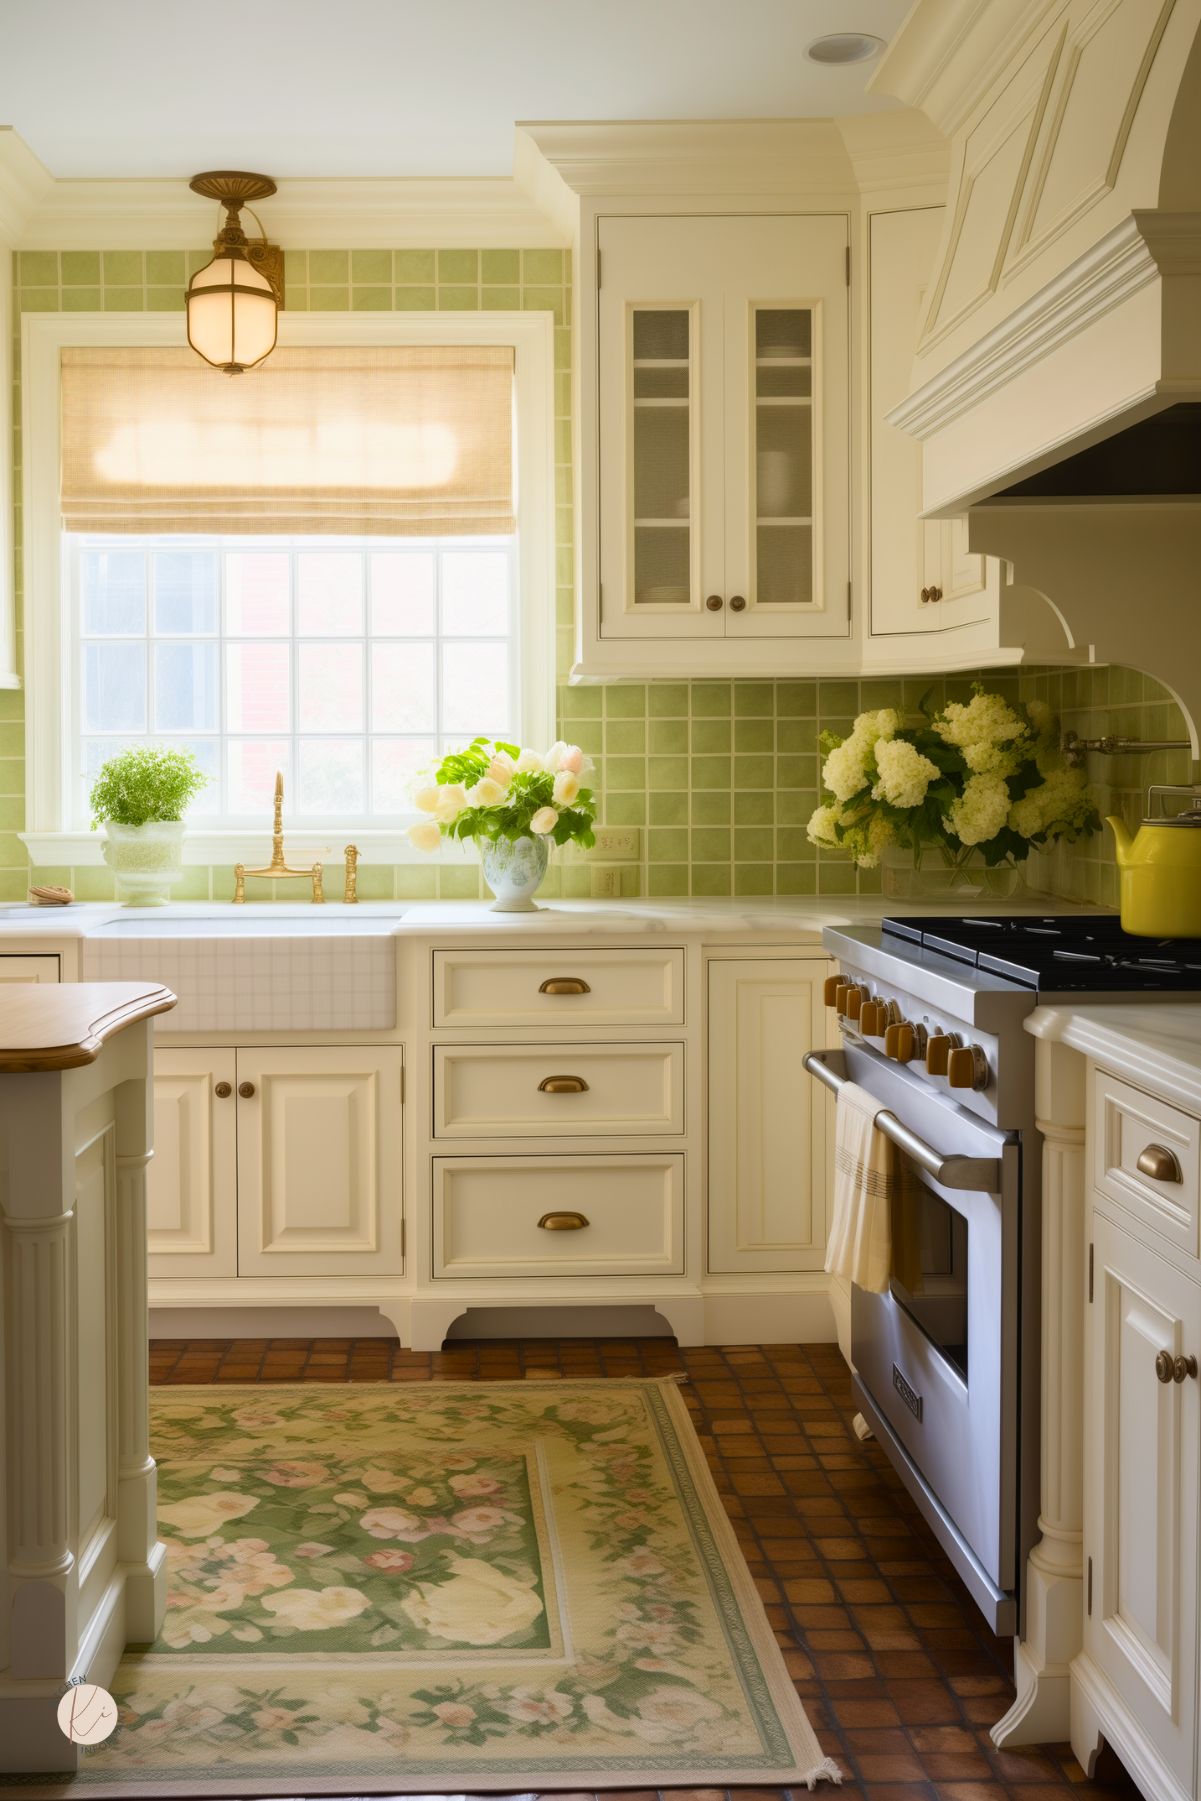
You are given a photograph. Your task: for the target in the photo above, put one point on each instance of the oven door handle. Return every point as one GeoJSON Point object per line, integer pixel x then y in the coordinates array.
{"type": "Point", "coordinates": [980, 1173]}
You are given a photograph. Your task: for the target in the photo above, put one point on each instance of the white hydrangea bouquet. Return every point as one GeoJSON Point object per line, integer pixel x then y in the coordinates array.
{"type": "Point", "coordinates": [982, 778]}
{"type": "Point", "coordinates": [494, 790]}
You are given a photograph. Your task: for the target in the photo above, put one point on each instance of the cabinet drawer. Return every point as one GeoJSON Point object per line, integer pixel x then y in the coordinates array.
{"type": "Point", "coordinates": [29, 969]}
{"type": "Point", "coordinates": [487, 1212]}
{"type": "Point", "coordinates": [558, 1090]}
{"type": "Point", "coordinates": [499, 989]}
{"type": "Point", "coordinates": [1127, 1124]}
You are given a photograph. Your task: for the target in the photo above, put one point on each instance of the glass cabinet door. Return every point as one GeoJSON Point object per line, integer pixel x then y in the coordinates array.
{"type": "Point", "coordinates": [782, 506]}
{"type": "Point", "coordinates": [662, 448]}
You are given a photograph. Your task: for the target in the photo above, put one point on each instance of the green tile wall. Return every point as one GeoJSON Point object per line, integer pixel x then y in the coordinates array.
{"type": "Point", "coordinates": [719, 777]}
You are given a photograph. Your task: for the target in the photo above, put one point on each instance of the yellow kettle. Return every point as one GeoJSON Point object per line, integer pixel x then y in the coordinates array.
{"type": "Point", "coordinates": [1160, 870]}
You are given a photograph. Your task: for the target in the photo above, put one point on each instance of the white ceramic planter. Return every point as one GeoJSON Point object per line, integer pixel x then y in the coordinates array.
{"type": "Point", "coordinates": [513, 869]}
{"type": "Point", "coordinates": [147, 860]}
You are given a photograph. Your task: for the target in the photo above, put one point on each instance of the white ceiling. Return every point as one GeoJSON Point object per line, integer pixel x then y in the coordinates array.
{"type": "Point", "coordinates": [135, 88]}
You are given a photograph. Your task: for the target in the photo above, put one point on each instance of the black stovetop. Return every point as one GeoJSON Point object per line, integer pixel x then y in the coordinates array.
{"type": "Point", "coordinates": [1076, 953]}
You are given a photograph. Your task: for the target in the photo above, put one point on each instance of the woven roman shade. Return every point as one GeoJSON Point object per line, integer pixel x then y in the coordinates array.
{"type": "Point", "coordinates": [391, 441]}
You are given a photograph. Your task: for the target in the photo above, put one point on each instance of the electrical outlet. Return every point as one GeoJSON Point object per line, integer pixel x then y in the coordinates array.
{"type": "Point", "coordinates": [619, 843]}
{"type": "Point", "coordinates": [606, 883]}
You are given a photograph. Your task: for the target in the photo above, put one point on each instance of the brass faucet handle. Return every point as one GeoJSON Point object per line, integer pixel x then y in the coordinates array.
{"type": "Point", "coordinates": [318, 885]}
{"type": "Point", "coordinates": [350, 892]}
{"type": "Point", "coordinates": [239, 884]}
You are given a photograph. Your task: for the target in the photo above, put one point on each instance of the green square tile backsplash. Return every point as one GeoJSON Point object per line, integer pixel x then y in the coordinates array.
{"type": "Point", "coordinates": [719, 777]}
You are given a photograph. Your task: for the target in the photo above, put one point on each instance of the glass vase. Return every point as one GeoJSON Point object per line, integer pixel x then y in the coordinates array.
{"type": "Point", "coordinates": [513, 869]}
{"type": "Point", "coordinates": [147, 860]}
{"type": "Point", "coordinates": [935, 872]}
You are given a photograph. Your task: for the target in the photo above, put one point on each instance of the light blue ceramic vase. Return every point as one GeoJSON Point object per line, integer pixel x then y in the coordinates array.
{"type": "Point", "coordinates": [513, 869]}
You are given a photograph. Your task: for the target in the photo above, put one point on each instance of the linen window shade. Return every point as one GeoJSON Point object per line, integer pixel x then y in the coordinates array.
{"type": "Point", "coordinates": [398, 441]}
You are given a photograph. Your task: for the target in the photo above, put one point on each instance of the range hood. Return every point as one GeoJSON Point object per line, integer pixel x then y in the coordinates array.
{"type": "Point", "coordinates": [1056, 387]}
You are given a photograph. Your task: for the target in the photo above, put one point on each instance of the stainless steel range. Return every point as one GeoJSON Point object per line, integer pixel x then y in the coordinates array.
{"type": "Point", "coordinates": [930, 1012]}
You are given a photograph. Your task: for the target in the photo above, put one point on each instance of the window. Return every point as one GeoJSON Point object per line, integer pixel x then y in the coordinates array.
{"type": "Point", "coordinates": [347, 663]}
{"type": "Point", "coordinates": [345, 641]}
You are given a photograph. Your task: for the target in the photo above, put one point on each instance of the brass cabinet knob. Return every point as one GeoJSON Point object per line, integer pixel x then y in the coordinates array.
{"type": "Point", "coordinates": [562, 1085]}
{"type": "Point", "coordinates": [830, 989]}
{"type": "Point", "coordinates": [564, 985]}
{"type": "Point", "coordinates": [1165, 1366]}
{"type": "Point", "coordinates": [715, 603]}
{"type": "Point", "coordinates": [938, 1049]}
{"type": "Point", "coordinates": [223, 1090]}
{"type": "Point", "coordinates": [931, 594]}
{"type": "Point", "coordinates": [737, 603]}
{"type": "Point", "coordinates": [562, 1222]}
{"type": "Point", "coordinates": [1161, 1164]}
{"type": "Point", "coordinates": [246, 1090]}
{"type": "Point", "coordinates": [1183, 1367]}
{"type": "Point", "coordinates": [967, 1067]}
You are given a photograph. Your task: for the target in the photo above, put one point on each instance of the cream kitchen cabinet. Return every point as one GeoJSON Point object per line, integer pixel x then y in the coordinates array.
{"type": "Point", "coordinates": [930, 598]}
{"type": "Point", "coordinates": [277, 1162]}
{"type": "Point", "coordinates": [767, 1119]}
{"type": "Point", "coordinates": [1142, 1507]}
{"type": "Point", "coordinates": [29, 969]}
{"type": "Point", "coordinates": [722, 415]}
{"type": "Point", "coordinates": [191, 1195]}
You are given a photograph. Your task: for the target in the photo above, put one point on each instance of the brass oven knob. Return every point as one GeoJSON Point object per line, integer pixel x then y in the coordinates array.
{"type": "Point", "coordinates": [840, 997]}
{"type": "Point", "coordinates": [898, 1042]}
{"type": "Point", "coordinates": [967, 1067]}
{"type": "Point", "coordinates": [830, 989]}
{"type": "Point", "coordinates": [937, 1051]}
{"type": "Point", "coordinates": [855, 999]}
{"type": "Point", "coordinates": [871, 1019]}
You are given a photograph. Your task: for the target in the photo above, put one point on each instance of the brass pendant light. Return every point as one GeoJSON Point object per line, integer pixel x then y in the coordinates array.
{"type": "Point", "coordinates": [234, 301]}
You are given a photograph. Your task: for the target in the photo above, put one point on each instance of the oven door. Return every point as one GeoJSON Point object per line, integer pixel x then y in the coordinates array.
{"type": "Point", "coordinates": [937, 1357]}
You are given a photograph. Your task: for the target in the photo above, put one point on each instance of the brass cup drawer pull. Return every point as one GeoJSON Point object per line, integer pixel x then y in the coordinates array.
{"type": "Point", "coordinates": [564, 985]}
{"type": "Point", "coordinates": [1174, 1369]}
{"type": "Point", "coordinates": [562, 1222]}
{"type": "Point", "coordinates": [1161, 1164]}
{"type": "Point", "coordinates": [562, 1085]}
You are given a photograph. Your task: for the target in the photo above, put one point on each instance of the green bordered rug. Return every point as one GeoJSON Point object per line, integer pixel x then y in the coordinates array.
{"type": "Point", "coordinates": [444, 1586]}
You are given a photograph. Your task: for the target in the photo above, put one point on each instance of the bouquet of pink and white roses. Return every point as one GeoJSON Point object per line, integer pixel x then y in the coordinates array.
{"type": "Point", "coordinates": [494, 790]}
{"type": "Point", "coordinates": [981, 775]}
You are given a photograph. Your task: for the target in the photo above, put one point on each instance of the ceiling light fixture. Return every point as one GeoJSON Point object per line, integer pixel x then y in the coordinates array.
{"type": "Point", "coordinates": [844, 47]}
{"type": "Point", "coordinates": [233, 302]}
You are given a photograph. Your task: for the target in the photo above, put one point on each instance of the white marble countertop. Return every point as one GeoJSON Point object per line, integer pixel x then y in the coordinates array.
{"type": "Point", "coordinates": [781, 918]}
{"type": "Point", "coordinates": [1154, 1040]}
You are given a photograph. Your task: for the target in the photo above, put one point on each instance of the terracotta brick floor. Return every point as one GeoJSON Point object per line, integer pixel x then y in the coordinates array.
{"type": "Point", "coordinates": [899, 1674]}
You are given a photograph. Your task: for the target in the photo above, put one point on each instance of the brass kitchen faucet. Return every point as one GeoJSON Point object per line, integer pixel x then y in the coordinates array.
{"type": "Point", "coordinates": [277, 870]}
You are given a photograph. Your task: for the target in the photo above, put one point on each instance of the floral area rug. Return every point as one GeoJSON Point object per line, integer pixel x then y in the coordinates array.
{"type": "Point", "coordinates": [446, 1587]}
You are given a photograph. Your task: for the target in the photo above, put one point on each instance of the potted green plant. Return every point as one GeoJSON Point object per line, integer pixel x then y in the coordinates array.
{"type": "Point", "coordinates": [140, 798]}
{"type": "Point", "coordinates": [515, 803]}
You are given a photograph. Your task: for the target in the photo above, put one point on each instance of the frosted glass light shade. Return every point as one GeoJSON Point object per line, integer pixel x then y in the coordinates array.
{"type": "Point", "coordinates": [232, 314]}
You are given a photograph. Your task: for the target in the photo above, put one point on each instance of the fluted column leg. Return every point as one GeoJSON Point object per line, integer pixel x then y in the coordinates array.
{"type": "Point", "coordinates": [137, 1538]}
{"type": "Point", "coordinates": [1054, 1569]}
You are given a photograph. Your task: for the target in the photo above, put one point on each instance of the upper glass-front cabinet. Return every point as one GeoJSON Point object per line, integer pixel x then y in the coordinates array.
{"type": "Point", "coordinates": [723, 409]}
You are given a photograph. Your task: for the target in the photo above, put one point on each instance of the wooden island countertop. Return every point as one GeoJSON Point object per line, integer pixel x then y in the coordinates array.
{"type": "Point", "coordinates": [65, 1025]}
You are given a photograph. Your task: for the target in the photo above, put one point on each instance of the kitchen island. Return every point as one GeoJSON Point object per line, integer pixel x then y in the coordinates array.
{"type": "Point", "coordinates": [81, 1571]}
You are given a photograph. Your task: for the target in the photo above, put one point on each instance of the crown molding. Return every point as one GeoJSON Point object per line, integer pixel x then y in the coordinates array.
{"type": "Point", "coordinates": [686, 157]}
{"type": "Point", "coordinates": [894, 151]}
{"type": "Point", "coordinates": [304, 214]}
{"type": "Point", "coordinates": [24, 184]}
{"type": "Point", "coordinates": [1145, 247]}
{"type": "Point", "coordinates": [949, 52]}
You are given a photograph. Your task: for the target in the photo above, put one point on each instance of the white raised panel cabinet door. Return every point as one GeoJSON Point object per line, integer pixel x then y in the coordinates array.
{"type": "Point", "coordinates": [29, 969]}
{"type": "Point", "coordinates": [319, 1161]}
{"type": "Point", "coordinates": [191, 1183]}
{"type": "Point", "coordinates": [1142, 1509]}
{"type": "Point", "coordinates": [923, 577]}
{"type": "Point", "coordinates": [767, 1151]}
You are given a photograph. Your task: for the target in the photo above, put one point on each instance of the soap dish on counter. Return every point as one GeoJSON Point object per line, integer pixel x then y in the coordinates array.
{"type": "Point", "coordinates": [51, 896]}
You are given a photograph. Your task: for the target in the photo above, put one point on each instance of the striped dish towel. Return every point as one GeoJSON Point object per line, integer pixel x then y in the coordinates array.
{"type": "Point", "coordinates": [869, 1180]}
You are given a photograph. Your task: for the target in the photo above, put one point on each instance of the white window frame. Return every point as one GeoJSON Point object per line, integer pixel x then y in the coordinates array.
{"type": "Point", "coordinates": [50, 648]}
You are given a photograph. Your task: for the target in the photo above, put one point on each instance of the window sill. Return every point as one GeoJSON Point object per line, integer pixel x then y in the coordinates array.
{"type": "Point", "coordinates": [204, 848]}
